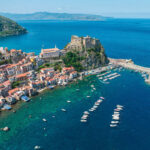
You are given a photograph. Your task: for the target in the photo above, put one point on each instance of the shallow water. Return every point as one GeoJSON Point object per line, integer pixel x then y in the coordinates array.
{"type": "Point", "coordinates": [65, 131]}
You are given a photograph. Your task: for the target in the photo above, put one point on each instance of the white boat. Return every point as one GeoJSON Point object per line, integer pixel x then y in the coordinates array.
{"type": "Point", "coordinates": [119, 106]}
{"type": "Point", "coordinates": [82, 120]}
{"type": "Point", "coordinates": [37, 147]}
{"type": "Point", "coordinates": [97, 104]}
{"type": "Point", "coordinates": [102, 97]}
{"type": "Point", "coordinates": [84, 117]}
{"type": "Point", "coordinates": [112, 122]}
{"type": "Point", "coordinates": [63, 110]}
{"type": "Point", "coordinates": [86, 112]}
{"type": "Point", "coordinates": [115, 117]}
{"type": "Point", "coordinates": [44, 119]}
{"type": "Point", "coordinates": [99, 101]}
{"type": "Point", "coordinates": [88, 96]}
{"type": "Point", "coordinates": [68, 101]}
{"type": "Point", "coordinates": [116, 112]}
{"type": "Point", "coordinates": [113, 125]}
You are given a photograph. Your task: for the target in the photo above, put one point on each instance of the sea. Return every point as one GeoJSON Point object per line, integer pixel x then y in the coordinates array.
{"type": "Point", "coordinates": [121, 38]}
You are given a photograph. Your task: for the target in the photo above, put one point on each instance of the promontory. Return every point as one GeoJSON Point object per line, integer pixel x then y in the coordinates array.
{"type": "Point", "coordinates": [9, 27]}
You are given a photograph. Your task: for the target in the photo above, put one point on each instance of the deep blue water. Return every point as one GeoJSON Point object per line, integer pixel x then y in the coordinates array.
{"type": "Point", "coordinates": [121, 38]}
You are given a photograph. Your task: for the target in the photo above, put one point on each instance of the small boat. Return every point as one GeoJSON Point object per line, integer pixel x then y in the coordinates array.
{"type": "Point", "coordinates": [113, 125]}
{"type": "Point", "coordinates": [92, 109]}
{"type": "Point", "coordinates": [6, 107]}
{"type": "Point", "coordinates": [86, 112]}
{"type": "Point", "coordinates": [83, 120]}
{"type": "Point", "coordinates": [116, 112]}
{"type": "Point", "coordinates": [63, 110]}
{"type": "Point", "coordinates": [102, 98]}
{"type": "Point", "coordinates": [114, 122]}
{"type": "Point", "coordinates": [37, 147]}
{"type": "Point", "coordinates": [88, 96]}
{"type": "Point", "coordinates": [97, 104]}
{"type": "Point", "coordinates": [51, 87]}
{"type": "Point", "coordinates": [116, 109]}
{"type": "Point", "coordinates": [44, 120]}
{"type": "Point", "coordinates": [84, 117]}
{"type": "Point", "coordinates": [25, 98]}
{"type": "Point", "coordinates": [120, 106]}
{"type": "Point", "coordinates": [68, 101]}
{"type": "Point", "coordinates": [99, 101]}
{"type": "Point", "coordinates": [115, 117]}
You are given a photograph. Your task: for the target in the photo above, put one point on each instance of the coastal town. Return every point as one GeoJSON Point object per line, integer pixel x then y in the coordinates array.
{"type": "Point", "coordinates": [23, 75]}
{"type": "Point", "coordinates": [23, 78]}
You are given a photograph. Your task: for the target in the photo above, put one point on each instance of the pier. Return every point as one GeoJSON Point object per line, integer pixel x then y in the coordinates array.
{"type": "Point", "coordinates": [129, 64]}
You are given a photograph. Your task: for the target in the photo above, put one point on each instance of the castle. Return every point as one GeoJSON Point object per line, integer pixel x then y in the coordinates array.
{"type": "Point", "coordinates": [78, 43]}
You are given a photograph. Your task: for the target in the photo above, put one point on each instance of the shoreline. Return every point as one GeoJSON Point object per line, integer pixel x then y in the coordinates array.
{"type": "Point", "coordinates": [114, 63]}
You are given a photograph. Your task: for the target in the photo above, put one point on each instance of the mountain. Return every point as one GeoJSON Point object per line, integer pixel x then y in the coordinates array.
{"type": "Point", "coordinates": [54, 16]}
{"type": "Point", "coordinates": [8, 27]}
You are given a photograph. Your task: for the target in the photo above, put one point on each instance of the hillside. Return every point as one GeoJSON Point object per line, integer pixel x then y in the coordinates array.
{"type": "Point", "coordinates": [84, 53]}
{"type": "Point", "coordinates": [54, 16]}
{"type": "Point", "coordinates": [9, 27]}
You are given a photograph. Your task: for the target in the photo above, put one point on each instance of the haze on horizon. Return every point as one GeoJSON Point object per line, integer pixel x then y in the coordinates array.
{"type": "Point", "coordinates": [111, 8]}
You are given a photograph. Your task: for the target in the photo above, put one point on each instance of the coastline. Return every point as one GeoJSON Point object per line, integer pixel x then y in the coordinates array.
{"type": "Point", "coordinates": [114, 63]}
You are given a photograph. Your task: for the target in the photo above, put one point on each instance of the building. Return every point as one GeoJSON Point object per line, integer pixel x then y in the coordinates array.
{"type": "Point", "coordinates": [50, 53]}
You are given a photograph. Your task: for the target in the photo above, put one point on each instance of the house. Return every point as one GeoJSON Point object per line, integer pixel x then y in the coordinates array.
{"type": "Point", "coordinates": [50, 53]}
{"type": "Point", "coordinates": [67, 70]}
{"type": "Point", "coordinates": [27, 67]}
{"type": "Point", "coordinates": [13, 91]}
{"type": "Point", "coordinates": [46, 70]}
{"type": "Point", "coordinates": [22, 77]}
{"type": "Point", "coordinates": [73, 74]}
{"type": "Point", "coordinates": [63, 80]}
{"type": "Point", "coordinates": [10, 100]}
{"type": "Point", "coordinates": [37, 84]}
{"type": "Point", "coordinates": [2, 101]}
{"type": "Point", "coordinates": [19, 94]}
{"type": "Point", "coordinates": [51, 81]}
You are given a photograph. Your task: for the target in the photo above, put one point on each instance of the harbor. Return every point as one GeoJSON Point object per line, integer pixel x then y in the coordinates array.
{"type": "Point", "coordinates": [129, 64]}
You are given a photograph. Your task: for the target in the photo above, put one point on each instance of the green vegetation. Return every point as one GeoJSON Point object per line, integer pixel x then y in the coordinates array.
{"type": "Point", "coordinates": [46, 65]}
{"type": "Point", "coordinates": [2, 62]}
{"type": "Point", "coordinates": [57, 66]}
{"type": "Point", "coordinates": [9, 27]}
{"type": "Point", "coordinates": [72, 59]}
{"type": "Point", "coordinates": [16, 84]}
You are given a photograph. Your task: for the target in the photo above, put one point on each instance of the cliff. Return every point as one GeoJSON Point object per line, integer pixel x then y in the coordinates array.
{"type": "Point", "coordinates": [9, 27]}
{"type": "Point", "coordinates": [88, 52]}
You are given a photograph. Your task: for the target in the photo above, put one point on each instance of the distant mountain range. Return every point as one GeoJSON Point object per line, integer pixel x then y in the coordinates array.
{"type": "Point", "coordinates": [54, 16]}
{"type": "Point", "coordinates": [8, 27]}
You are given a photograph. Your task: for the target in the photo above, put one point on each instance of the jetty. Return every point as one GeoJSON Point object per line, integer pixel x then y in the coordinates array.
{"type": "Point", "coordinates": [129, 64]}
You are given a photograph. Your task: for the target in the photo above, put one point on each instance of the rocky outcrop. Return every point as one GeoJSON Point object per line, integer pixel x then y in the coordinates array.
{"type": "Point", "coordinates": [89, 49]}
{"type": "Point", "coordinates": [9, 27]}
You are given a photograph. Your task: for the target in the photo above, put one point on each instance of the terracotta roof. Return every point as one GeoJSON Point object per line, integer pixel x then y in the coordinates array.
{"type": "Point", "coordinates": [6, 83]}
{"type": "Point", "coordinates": [22, 75]}
{"type": "Point", "coordinates": [13, 91]}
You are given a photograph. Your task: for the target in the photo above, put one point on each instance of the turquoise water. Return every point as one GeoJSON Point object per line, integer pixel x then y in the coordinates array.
{"type": "Point", "coordinates": [121, 38]}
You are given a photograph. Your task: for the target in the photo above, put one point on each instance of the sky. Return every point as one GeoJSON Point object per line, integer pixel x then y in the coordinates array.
{"type": "Point", "coordinates": [114, 8]}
